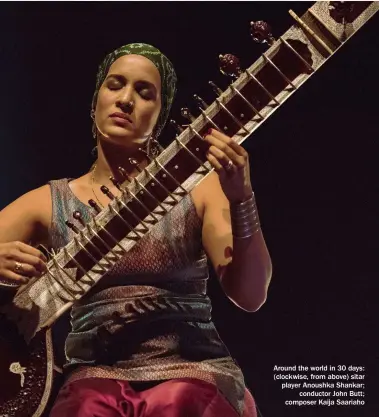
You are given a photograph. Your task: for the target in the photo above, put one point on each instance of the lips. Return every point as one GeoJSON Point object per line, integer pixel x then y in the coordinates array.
{"type": "Point", "coordinates": [121, 118]}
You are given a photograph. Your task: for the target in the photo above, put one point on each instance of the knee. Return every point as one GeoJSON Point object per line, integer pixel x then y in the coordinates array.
{"type": "Point", "coordinates": [193, 396]}
{"type": "Point", "coordinates": [79, 400]}
{"type": "Point", "coordinates": [250, 409]}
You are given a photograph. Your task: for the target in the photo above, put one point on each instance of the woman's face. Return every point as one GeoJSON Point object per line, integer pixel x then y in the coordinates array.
{"type": "Point", "coordinates": [131, 78]}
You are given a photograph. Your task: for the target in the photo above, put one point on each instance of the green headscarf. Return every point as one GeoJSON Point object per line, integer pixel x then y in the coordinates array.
{"type": "Point", "coordinates": [164, 66]}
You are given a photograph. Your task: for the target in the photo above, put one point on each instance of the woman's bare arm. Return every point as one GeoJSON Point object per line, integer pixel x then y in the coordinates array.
{"type": "Point", "coordinates": [23, 222]}
{"type": "Point", "coordinates": [28, 218]}
{"type": "Point", "coordinates": [243, 266]}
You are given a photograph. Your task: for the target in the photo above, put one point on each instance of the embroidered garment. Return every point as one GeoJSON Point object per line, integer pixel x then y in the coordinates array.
{"type": "Point", "coordinates": [149, 318]}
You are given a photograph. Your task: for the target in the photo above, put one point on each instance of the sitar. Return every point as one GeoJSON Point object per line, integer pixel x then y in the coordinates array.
{"type": "Point", "coordinates": [27, 366]}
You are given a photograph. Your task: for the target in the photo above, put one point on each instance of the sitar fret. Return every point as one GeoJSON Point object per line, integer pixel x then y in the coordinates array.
{"type": "Point", "coordinates": [319, 27]}
{"type": "Point", "coordinates": [314, 37]}
{"type": "Point", "coordinates": [262, 88]}
{"type": "Point", "coordinates": [298, 54]}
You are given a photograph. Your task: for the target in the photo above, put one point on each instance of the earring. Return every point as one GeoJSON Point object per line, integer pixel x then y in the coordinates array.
{"type": "Point", "coordinates": [94, 129]}
{"type": "Point", "coordinates": [94, 152]}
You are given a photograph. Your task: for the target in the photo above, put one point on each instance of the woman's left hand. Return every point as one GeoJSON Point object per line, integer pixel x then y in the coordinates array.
{"type": "Point", "coordinates": [231, 162]}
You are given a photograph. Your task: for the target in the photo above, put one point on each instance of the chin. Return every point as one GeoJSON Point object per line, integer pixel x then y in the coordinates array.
{"type": "Point", "coordinates": [119, 137]}
{"type": "Point", "coordinates": [118, 132]}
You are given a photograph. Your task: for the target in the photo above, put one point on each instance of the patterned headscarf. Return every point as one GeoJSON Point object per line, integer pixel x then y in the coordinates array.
{"type": "Point", "coordinates": [164, 66]}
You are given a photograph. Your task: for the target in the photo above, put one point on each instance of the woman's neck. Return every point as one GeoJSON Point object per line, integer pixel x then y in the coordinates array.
{"type": "Point", "coordinates": [109, 160]}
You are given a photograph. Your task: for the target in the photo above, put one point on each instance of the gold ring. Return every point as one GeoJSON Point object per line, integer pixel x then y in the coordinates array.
{"type": "Point", "coordinates": [19, 268]}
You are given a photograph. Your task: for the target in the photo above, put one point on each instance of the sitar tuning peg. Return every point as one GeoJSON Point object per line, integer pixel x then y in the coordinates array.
{"type": "Point", "coordinates": [115, 182]}
{"type": "Point", "coordinates": [178, 128]}
{"type": "Point", "coordinates": [201, 103]}
{"type": "Point", "coordinates": [77, 215]}
{"type": "Point", "coordinates": [94, 205]}
{"type": "Point", "coordinates": [217, 90]}
{"type": "Point", "coordinates": [261, 32]}
{"type": "Point", "coordinates": [123, 173]}
{"type": "Point", "coordinates": [71, 226]}
{"type": "Point", "coordinates": [185, 112]}
{"type": "Point", "coordinates": [230, 66]}
{"type": "Point", "coordinates": [147, 156]}
{"type": "Point", "coordinates": [134, 163]}
{"type": "Point", "coordinates": [105, 190]}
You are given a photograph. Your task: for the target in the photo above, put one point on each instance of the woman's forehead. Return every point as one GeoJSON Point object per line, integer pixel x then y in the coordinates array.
{"type": "Point", "coordinates": [136, 65]}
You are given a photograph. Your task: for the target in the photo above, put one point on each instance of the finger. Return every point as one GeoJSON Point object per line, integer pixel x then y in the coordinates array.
{"type": "Point", "coordinates": [214, 162]}
{"type": "Point", "coordinates": [23, 247]}
{"type": "Point", "coordinates": [13, 278]}
{"type": "Point", "coordinates": [22, 269]}
{"type": "Point", "coordinates": [25, 269]}
{"type": "Point", "coordinates": [222, 158]}
{"type": "Point", "coordinates": [238, 149]}
{"type": "Point", "coordinates": [223, 146]}
{"type": "Point", "coordinates": [31, 260]}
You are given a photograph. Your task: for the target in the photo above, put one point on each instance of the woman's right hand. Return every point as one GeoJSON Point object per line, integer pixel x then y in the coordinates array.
{"type": "Point", "coordinates": [19, 262]}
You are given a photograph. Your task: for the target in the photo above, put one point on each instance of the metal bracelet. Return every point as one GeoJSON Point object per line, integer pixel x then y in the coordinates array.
{"type": "Point", "coordinates": [252, 213]}
{"type": "Point", "coordinates": [244, 218]}
{"type": "Point", "coordinates": [236, 207]}
{"type": "Point", "coordinates": [245, 202]}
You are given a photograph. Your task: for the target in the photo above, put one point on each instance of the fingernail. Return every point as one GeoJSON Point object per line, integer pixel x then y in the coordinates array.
{"type": "Point", "coordinates": [208, 132]}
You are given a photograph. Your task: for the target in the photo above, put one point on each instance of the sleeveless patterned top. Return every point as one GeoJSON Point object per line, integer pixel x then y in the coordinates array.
{"type": "Point", "coordinates": [148, 318]}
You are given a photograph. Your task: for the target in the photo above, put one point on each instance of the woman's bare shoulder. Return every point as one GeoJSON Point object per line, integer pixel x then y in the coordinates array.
{"type": "Point", "coordinates": [28, 217]}
{"type": "Point", "coordinates": [33, 201]}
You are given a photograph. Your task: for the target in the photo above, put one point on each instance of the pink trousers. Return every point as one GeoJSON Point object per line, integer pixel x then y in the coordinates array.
{"type": "Point", "coordinates": [186, 397]}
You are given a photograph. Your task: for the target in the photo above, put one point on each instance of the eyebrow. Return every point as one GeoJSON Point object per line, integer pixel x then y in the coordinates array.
{"type": "Point", "coordinates": [122, 78]}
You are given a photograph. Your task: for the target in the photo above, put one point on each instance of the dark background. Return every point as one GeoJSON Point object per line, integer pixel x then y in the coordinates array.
{"type": "Point", "coordinates": [313, 166]}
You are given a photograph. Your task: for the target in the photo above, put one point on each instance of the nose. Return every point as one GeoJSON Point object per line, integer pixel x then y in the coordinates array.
{"type": "Point", "coordinates": [125, 102]}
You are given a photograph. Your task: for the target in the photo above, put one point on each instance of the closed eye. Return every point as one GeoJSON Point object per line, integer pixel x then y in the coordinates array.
{"type": "Point", "coordinates": [146, 90]}
{"type": "Point", "coordinates": [114, 82]}
{"type": "Point", "coordinates": [146, 94]}
{"type": "Point", "coordinates": [114, 86]}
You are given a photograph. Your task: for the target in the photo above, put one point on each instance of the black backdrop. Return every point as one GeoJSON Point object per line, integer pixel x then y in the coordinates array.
{"type": "Point", "coordinates": [313, 166]}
